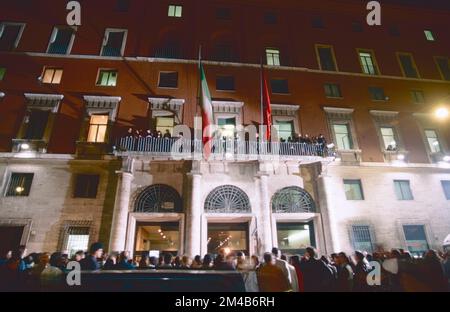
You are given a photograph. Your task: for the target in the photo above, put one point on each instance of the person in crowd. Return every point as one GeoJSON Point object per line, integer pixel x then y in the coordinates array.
{"type": "Point", "coordinates": [345, 273]}
{"type": "Point", "coordinates": [148, 134]}
{"type": "Point", "coordinates": [53, 273]}
{"type": "Point", "coordinates": [123, 263]}
{"type": "Point", "coordinates": [316, 275]}
{"type": "Point", "coordinates": [221, 263]}
{"type": "Point", "coordinates": [144, 263]}
{"type": "Point", "coordinates": [434, 273]}
{"type": "Point", "coordinates": [167, 261]}
{"type": "Point", "coordinates": [153, 262]}
{"type": "Point", "coordinates": [330, 279]}
{"type": "Point", "coordinates": [295, 262]}
{"type": "Point", "coordinates": [78, 256]}
{"type": "Point", "coordinates": [167, 134]}
{"type": "Point", "coordinates": [6, 257]}
{"type": "Point", "coordinates": [185, 263]}
{"type": "Point", "coordinates": [282, 264]}
{"type": "Point", "coordinates": [362, 269]}
{"type": "Point", "coordinates": [292, 274]}
{"type": "Point", "coordinates": [207, 262]}
{"type": "Point", "coordinates": [90, 262]}
{"type": "Point", "coordinates": [271, 277]}
{"type": "Point", "coordinates": [254, 261]}
{"type": "Point", "coordinates": [110, 263]}
{"type": "Point", "coordinates": [240, 261]}
{"type": "Point", "coordinates": [177, 262]}
{"type": "Point", "coordinates": [197, 263]}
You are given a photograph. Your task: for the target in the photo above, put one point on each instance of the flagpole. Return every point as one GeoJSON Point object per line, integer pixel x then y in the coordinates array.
{"type": "Point", "coordinates": [262, 100]}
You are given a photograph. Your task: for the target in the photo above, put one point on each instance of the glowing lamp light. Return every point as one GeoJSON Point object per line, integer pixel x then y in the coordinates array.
{"type": "Point", "coordinates": [25, 146]}
{"type": "Point", "coordinates": [401, 157]}
{"type": "Point", "coordinates": [20, 189]}
{"type": "Point", "coordinates": [227, 251]}
{"type": "Point", "coordinates": [159, 230]}
{"type": "Point", "coordinates": [441, 113]}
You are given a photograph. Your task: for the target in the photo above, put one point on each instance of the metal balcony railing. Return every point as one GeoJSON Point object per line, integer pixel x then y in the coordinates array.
{"type": "Point", "coordinates": [220, 149]}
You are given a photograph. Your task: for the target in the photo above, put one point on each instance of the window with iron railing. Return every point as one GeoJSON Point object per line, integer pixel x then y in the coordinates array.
{"type": "Point", "coordinates": [114, 42]}
{"type": "Point", "coordinates": [61, 40]}
{"type": "Point", "coordinates": [19, 184]}
{"type": "Point", "coordinates": [10, 34]}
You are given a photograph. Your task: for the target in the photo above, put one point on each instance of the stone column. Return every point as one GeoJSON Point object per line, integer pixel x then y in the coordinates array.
{"type": "Point", "coordinates": [120, 215]}
{"type": "Point", "coordinates": [194, 219]}
{"type": "Point", "coordinates": [264, 217]}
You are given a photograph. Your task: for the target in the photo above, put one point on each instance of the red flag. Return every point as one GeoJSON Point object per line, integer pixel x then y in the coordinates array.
{"type": "Point", "coordinates": [266, 106]}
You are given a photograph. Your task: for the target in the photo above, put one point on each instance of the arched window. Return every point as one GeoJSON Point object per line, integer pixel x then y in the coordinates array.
{"type": "Point", "coordinates": [227, 199]}
{"type": "Point", "coordinates": [292, 200]}
{"type": "Point", "coordinates": [159, 198]}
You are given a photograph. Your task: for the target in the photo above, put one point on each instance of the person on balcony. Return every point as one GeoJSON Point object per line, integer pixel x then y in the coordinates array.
{"type": "Point", "coordinates": [167, 135]}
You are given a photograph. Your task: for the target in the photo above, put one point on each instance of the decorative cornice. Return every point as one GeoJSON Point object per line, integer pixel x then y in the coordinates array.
{"type": "Point", "coordinates": [43, 97]}
{"type": "Point", "coordinates": [384, 113]}
{"type": "Point", "coordinates": [339, 110]}
{"type": "Point", "coordinates": [102, 104]}
{"type": "Point", "coordinates": [232, 104]}
{"type": "Point", "coordinates": [102, 99]}
{"type": "Point", "coordinates": [286, 107]}
{"type": "Point", "coordinates": [169, 101]}
{"type": "Point", "coordinates": [44, 101]}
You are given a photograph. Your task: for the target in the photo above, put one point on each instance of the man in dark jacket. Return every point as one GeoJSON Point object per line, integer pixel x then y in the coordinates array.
{"type": "Point", "coordinates": [315, 272]}
{"type": "Point", "coordinates": [124, 263]}
{"type": "Point", "coordinates": [90, 263]}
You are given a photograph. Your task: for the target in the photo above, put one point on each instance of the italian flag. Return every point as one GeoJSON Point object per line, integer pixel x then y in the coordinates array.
{"type": "Point", "coordinates": [206, 106]}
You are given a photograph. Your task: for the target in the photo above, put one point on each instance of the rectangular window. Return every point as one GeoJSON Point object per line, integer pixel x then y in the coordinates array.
{"type": "Point", "coordinates": [429, 35]}
{"type": "Point", "coordinates": [107, 78]}
{"type": "Point", "coordinates": [10, 34]}
{"type": "Point", "coordinates": [433, 141]}
{"type": "Point", "coordinates": [97, 128]}
{"type": "Point", "coordinates": [294, 238]}
{"type": "Point", "coordinates": [362, 239]}
{"type": "Point", "coordinates": [175, 11]}
{"type": "Point", "coordinates": [446, 188]}
{"type": "Point", "coordinates": [168, 80]}
{"type": "Point", "coordinates": [377, 94]}
{"type": "Point", "coordinates": [86, 186]}
{"type": "Point", "coordinates": [279, 86]}
{"type": "Point", "coordinates": [61, 40]}
{"type": "Point", "coordinates": [353, 190]}
{"type": "Point", "coordinates": [418, 97]}
{"type": "Point", "coordinates": [368, 63]}
{"type": "Point", "coordinates": [223, 14]}
{"type": "Point", "coordinates": [2, 73]}
{"type": "Point", "coordinates": [227, 126]}
{"type": "Point", "coordinates": [36, 124]}
{"type": "Point", "coordinates": [285, 129]}
{"type": "Point", "coordinates": [165, 123]}
{"type": "Point", "coordinates": [273, 57]}
{"type": "Point", "coordinates": [77, 239]}
{"type": "Point", "coordinates": [327, 60]}
{"type": "Point", "coordinates": [270, 18]}
{"type": "Point", "coordinates": [416, 239]}
{"type": "Point", "coordinates": [403, 190]}
{"type": "Point", "coordinates": [443, 64]}
{"type": "Point", "coordinates": [343, 136]}
{"type": "Point", "coordinates": [114, 42]}
{"type": "Point", "coordinates": [225, 83]}
{"type": "Point", "coordinates": [408, 65]}
{"type": "Point", "coordinates": [20, 184]}
{"type": "Point", "coordinates": [332, 90]}
{"type": "Point", "coordinates": [388, 136]}
{"type": "Point", "coordinates": [52, 75]}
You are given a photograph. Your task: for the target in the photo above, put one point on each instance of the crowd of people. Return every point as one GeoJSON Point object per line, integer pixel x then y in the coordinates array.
{"type": "Point", "coordinates": [274, 272]}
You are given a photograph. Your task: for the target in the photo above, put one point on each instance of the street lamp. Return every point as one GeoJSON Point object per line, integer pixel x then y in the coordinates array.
{"type": "Point", "coordinates": [441, 113]}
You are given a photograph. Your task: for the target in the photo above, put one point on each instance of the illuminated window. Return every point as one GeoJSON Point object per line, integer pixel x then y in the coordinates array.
{"type": "Point", "coordinates": [327, 60]}
{"type": "Point", "coordinates": [285, 129]}
{"type": "Point", "coordinates": [332, 90]}
{"type": "Point", "coordinates": [273, 57]}
{"type": "Point", "coordinates": [97, 128]}
{"type": "Point", "coordinates": [2, 73]}
{"type": "Point", "coordinates": [433, 141]}
{"type": "Point", "coordinates": [227, 126]}
{"type": "Point", "coordinates": [408, 65]}
{"type": "Point", "coordinates": [175, 11]}
{"type": "Point", "coordinates": [342, 136]}
{"type": "Point", "coordinates": [61, 40]}
{"type": "Point", "coordinates": [294, 238]}
{"type": "Point", "coordinates": [52, 75]}
{"type": "Point", "coordinates": [416, 239]}
{"type": "Point", "coordinates": [77, 239]}
{"type": "Point", "coordinates": [388, 136]}
{"type": "Point", "coordinates": [10, 34]}
{"type": "Point", "coordinates": [353, 190]}
{"type": "Point", "coordinates": [165, 123]}
{"type": "Point", "coordinates": [114, 42]}
{"type": "Point", "coordinates": [368, 63]}
{"type": "Point", "coordinates": [403, 190]}
{"type": "Point", "coordinates": [20, 184]}
{"type": "Point", "coordinates": [362, 239]}
{"type": "Point", "coordinates": [158, 238]}
{"type": "Point", "coordinates": [234, 237]}
{"type": "Point", "coordinates": [107, 78]}
{"type": "Point", "coordinates": [429, 35]}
